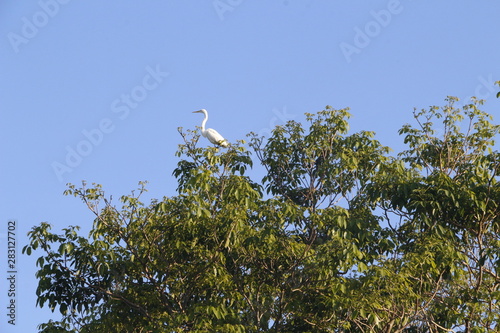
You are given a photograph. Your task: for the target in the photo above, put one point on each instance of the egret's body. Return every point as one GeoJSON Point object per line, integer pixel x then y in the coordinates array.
{"type": "Point", "coordinates": [212, 135]}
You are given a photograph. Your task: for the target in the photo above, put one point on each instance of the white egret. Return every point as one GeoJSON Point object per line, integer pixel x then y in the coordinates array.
{"type": "Point", "coordinates": [212, 135]}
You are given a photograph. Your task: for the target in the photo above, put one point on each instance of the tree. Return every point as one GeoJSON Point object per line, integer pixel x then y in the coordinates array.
{"type": "Point", "coordinates": [339, 236]}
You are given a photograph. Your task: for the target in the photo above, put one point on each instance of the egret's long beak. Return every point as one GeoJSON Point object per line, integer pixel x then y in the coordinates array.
{"type": "Point", "coordinates": [196, 111]}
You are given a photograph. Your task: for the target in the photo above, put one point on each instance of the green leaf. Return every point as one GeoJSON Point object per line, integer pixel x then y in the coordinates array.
{"type": "Point", "coordinates": [351, 238]}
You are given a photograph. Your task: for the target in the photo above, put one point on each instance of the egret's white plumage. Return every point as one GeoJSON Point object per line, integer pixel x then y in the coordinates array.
{"type": "Point", "coordinates": [212, 135]}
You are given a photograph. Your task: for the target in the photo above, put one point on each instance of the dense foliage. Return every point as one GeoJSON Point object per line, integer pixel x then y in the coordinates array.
{"type": "Point", "coordinates": [339, 236]}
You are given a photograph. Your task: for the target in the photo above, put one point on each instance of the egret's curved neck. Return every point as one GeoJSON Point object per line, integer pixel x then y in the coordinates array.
{"type": "Point", "coordinates": [204, 121]}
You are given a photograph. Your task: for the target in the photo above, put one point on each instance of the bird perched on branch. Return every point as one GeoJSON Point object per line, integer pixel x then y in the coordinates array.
{"type": "Point", "coordinates": [212, 135]}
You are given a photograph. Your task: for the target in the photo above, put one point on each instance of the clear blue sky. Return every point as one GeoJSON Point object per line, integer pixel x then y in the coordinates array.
{"type": "Point", "coordinates": [112, 80]}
